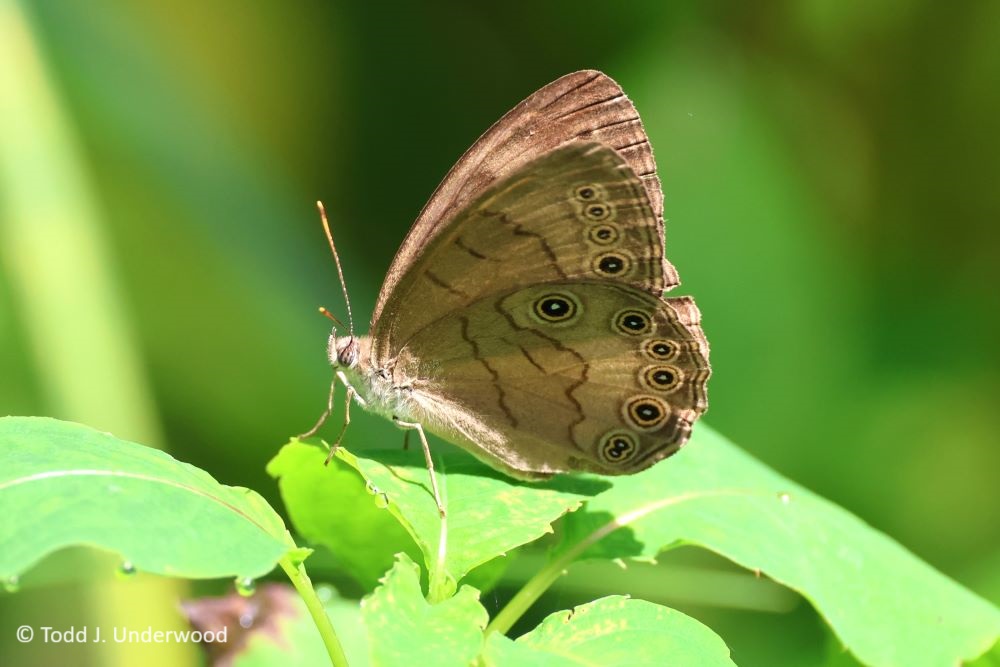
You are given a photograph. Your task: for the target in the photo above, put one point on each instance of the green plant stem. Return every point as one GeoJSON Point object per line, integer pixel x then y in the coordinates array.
{"type": "Point", "coordinates": [297, 574]}
{"type": "Point", "coordinates": [438, 588]}
{"type": "Point", "coordinates": [540, 583]}
{"type": "Point", "coordinates": [547, 576]}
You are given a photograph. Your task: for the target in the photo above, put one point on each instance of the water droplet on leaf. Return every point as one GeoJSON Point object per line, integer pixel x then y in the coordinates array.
{"type": "Point", "coordinates": [371, 488]}
{"type": "Point", "coordinates": [785, 498]}
{"type": "Point", "coordinates": [12, 584]}
{"type": "Point", "coordinates": [381, 500]}
{"type": "Point", "coordinates": [126, 570]}
{"type": "Point", "coordinates": [245, 586]}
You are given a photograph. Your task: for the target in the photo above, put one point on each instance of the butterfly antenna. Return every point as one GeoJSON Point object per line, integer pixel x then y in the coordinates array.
{"type": "Point", "coordinates": [327, 314]}
{"type": "Point", "coordinates": [340, 271]}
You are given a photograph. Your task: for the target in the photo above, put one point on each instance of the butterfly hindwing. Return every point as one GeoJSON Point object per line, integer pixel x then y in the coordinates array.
{"type": "Point", "coordinates": [584, 375]}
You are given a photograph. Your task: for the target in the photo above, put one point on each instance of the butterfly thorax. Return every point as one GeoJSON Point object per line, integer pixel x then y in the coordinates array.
{"type": "Point", "coordinates": [374, 386]}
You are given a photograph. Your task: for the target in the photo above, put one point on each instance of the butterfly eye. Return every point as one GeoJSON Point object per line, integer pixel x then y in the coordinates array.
{"type": "Point", "coordinates": [646, 412]}
{"type": "Point", "coordinates": [603, 234]}
{"type": "Point", "coordinates": [554, 308]}
{"type": "Point", "coordinates": [618, 447]}
{"type": "Point", "coordinates": [633, 322]}
{"type": "Point", "coordinates": [347, 351]}
{"type": "Point", "coordinates": [661, 350]}
{"type": "Point", "coordinates": [588, 192]}
{"type": "Point", "coordinates": [612, 264]}
{"type": "Point", "coordinates": [662, 378]}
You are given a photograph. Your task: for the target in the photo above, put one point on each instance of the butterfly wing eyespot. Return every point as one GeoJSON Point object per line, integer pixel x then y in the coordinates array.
{"type": "Point", "coordinates": [617, 447]}
{"type": "Point", "coordinates": [632, 322]}
{"type": "Point", "coordinates": [661, 377]}
{"type": "Point", "coordinates": [603, 234]}
{"type": "Point", "coordinates": [556, 308]}
{"type": "Point", "coordinates": [612, 264]}
{"type": "Point", "coordinates": [588, 192]}
{"type": "Point", "coordinates": [597, 212]}
{"type": "Point", "coordinates": [645, 413]}
{"type": "Point", "coordinates": [661, 349]}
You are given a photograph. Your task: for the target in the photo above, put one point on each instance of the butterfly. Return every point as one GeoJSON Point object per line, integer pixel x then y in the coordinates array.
{"type": "Point", "coordinates": [523, 317]}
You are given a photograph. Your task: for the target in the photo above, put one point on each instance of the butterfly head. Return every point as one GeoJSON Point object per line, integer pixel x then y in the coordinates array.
{"type": "Point", "coordinates": [343, 350]}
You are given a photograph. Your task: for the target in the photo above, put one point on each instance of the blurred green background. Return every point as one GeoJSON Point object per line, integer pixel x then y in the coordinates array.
{"type": "Point", "coordinates": [830, 172]}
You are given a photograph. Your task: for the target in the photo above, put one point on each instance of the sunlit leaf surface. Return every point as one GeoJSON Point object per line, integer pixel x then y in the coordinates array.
{"type": "Point", "coordinates": [614, 632]}
{"type": "Point", "coordinates": [886, 605]}
{"type": "Point", "coordinates": [65, 484]}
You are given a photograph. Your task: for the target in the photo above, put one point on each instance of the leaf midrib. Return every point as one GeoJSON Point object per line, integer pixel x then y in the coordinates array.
{"type": "Point", "coordinates": [55, 474]}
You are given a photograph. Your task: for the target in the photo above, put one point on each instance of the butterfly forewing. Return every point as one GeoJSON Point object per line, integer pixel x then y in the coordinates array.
{"type": "Point", "coordinates": [578, 212]}
{"type": "Point", "coordinates": [586, 105]}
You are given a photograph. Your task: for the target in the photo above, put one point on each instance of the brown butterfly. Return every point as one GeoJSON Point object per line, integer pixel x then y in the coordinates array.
{"type": "Point", "coordinates": [523, 318]}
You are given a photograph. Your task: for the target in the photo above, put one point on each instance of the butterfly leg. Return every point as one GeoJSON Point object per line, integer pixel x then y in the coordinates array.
{"type": "Point", "coordinates": [427, 455]}
{"type": "Point", "coordinates": [343, 429]}
{"type": "Point", "coordinates": [326, 413]}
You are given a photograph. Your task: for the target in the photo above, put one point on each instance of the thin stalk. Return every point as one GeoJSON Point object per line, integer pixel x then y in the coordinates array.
{"type": "Point", "coordinates": [548, 575]}
{"type": "Point", "coordinates": [540, 583]}
{"type": "Point", "coordinates": [438, 587]}
{"type": "Point", "coordinates": [299, 578]}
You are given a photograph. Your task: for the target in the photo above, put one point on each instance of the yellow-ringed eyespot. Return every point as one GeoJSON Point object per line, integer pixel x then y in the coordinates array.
{"type": "Point", "coordinates": [603, 234]}
{"type": "Point", "coordinates": [612, 264]}
{"type": "Point", "coordinates": [633, 322]}
{"type": "Point", "coordinates": [596, 211]}
{"type": "Point", "coordinates": [555, 308]}
{"type": "Point", "coordinates": [661, 378]}
{"type": "Point", "coordinates": [645, 413]}
{"type": "Point", "coordinates": [618, 447]}
{"type": "Point", "coordinates": [588, 192]}
{"type": "Point", "coordinates": [661, 350]}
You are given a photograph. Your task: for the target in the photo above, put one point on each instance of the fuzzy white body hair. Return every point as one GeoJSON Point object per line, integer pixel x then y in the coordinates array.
{"type": "Point", "coordinates": [413, 401]}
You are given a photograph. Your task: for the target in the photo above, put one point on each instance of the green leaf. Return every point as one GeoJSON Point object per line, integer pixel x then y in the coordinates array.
{"type": "Point", "coordinates": [989, 659]}
{"type": "Point", "coordinates": [613, 632]}
{"type": "Point", "coordinates": [65, 484]}
{"type": "Point", "coordinates": [404, 629]}
{"type": "Point", "coordinates": [330, 505]}
{"type": "Point", "coordinates": [488, 512]}
{"type": "Point", "coordinates": [485, 577]}
{"type": "Point", "coordinates": [886, 605]}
